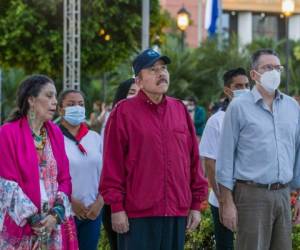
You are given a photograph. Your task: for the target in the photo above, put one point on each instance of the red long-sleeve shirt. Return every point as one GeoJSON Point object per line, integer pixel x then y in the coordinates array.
{"type": "Point", "coordinates": [151, 161]}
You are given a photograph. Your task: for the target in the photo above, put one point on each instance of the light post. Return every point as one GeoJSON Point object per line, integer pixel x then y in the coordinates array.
{"type": "Point", "coordinates": [287, 7]}
{"type": "Point", "coordinates": [183, 21]}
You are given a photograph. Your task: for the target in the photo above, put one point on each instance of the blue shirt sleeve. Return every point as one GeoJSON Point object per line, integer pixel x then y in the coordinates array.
{"type": "Point", "coordinates": [228, 141]}
{"type": "Point", "coordinates": [295, 184]}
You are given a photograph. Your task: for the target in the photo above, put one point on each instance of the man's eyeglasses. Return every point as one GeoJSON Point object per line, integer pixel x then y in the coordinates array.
{"type": "Point", "coordinates": [270, 67]}
{"type": "Point", "coordinates": [158, 68]}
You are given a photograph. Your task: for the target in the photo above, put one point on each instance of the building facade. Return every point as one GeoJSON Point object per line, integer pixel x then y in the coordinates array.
{"type": "Point", "coordinates": [248, 19]}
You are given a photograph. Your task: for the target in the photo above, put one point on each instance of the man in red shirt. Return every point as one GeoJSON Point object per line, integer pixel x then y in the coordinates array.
{"type": "Point", "coordinates": [151, 176]}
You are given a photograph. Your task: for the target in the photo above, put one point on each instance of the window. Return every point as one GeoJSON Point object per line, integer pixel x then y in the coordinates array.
{"type": "Point", "coordinates": [266, 26]}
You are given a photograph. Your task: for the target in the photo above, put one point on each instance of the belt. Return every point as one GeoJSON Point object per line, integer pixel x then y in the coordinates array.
{"type": "Point", "coordinates": [272, 186]}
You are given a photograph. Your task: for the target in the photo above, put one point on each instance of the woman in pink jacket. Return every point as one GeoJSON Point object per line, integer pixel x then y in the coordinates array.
{"type": "Point", "coordinates": [35, 183]}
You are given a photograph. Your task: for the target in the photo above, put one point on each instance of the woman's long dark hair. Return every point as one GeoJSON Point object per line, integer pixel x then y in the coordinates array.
{"type": "Point", "coordinates": [123, 90]}
{"type": "Point", "coordinates": [30, 86]}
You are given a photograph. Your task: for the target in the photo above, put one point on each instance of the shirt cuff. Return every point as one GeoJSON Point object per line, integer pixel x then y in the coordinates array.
{"type": "Point", "coordinates": [295, 184]}
{"type": "Point", "coordinates": [227, 184]}
{"type": "Point", "coordinates": [117, 207]}
{"type": "Point", "coordinates": [196, 205]}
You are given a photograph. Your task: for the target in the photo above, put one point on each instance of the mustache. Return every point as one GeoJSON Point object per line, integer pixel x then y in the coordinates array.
{"type": "Point", "coordinates": [162, 80]}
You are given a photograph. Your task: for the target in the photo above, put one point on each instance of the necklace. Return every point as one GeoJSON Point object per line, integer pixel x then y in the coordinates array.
{"type": "Point", "coordinates": [40, 140]}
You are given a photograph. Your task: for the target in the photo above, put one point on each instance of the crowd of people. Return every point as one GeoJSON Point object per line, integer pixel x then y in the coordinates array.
{"type": "Point", "coordinates": [137, 169]}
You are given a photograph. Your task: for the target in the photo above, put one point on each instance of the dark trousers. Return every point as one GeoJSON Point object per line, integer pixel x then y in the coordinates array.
{"type": "Point", "coordinates": [111, 235]}
{"type": "Point", "coordinates": [88, 233]}
{"type": "Point", "coordinates": [154, 233]}
{"type": "Point", "coordinates": [223, 236]}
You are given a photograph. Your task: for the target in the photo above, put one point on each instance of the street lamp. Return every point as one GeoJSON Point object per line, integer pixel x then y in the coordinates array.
{"type": "Point", "coordinates": [183, 21]}
{"type": "Point", "coordinates": [287, 7]}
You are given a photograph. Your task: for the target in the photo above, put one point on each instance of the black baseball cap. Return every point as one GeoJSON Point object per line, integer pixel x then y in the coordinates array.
{"type": "Point", "coordinates": [146, 59]}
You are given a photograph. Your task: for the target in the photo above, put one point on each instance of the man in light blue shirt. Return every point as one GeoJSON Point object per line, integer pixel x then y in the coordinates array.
{"type": "Point", "coordinates": [236, 83]}
{"type": "Point", "coordinates": [256, 160]}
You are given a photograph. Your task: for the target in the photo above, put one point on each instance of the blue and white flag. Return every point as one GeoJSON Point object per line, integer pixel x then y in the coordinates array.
{"type": "Point", "coordinates": [211, 16]}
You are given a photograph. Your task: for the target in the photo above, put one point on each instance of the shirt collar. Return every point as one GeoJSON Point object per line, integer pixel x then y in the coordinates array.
{"type": "Point", "coordinates": [257, 96]}
{"type": "Point", "coordinates": [142, 96]}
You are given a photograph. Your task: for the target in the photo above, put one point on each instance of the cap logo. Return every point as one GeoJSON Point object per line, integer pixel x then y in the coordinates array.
{"type": "Point", "coordinates": [152, 53]}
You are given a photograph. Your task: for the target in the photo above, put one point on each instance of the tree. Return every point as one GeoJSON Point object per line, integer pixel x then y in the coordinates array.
{"type": "Point", "coordinates": [199, 71]}
{"type": "Point", "coordinates": [31, 34]}
{"type": "Point", "coordinates": [31, 38]}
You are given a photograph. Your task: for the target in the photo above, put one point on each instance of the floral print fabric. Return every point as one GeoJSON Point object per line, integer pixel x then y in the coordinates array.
{"type": "Point", "coordinates": [17, 206]}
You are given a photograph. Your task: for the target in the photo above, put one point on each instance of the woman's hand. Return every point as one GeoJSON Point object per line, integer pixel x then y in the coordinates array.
{"type": "Point", "coordinates": [95, 208]}
{"type": "Point", "coordinates": [79, 209]}
{"type": "Point", "coordinates": [45, 226]}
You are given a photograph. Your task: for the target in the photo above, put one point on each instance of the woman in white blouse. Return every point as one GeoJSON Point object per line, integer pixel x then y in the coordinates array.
{"type": "Point", "coordinates": [83, 148]}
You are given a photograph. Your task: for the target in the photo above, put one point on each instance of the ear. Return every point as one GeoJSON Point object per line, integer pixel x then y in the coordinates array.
{"type": "Point", "coordinates": [228, 92]}
{"type": "Point", "coordinates": [60, 111]}
{"type": "Point", "coordinates": [138, 82]}
{"type": "Point", "coordinates": [253, 75]}
{"type": "Point", "coordinates": [31, 101]}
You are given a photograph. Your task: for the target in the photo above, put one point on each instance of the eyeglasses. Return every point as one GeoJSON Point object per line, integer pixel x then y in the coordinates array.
{"type": "Point", "coordinates": [157, 69]}
{"type": "Point", "coordinates": [270, 67]}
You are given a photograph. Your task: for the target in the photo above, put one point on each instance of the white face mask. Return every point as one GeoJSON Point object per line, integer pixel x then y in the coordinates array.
{"type": "Point", "coordinates": [239, 92]}
{"type": "Point", "coordinates": [270, 80]}
{"type": "Point", "coordinates": [74, 115]}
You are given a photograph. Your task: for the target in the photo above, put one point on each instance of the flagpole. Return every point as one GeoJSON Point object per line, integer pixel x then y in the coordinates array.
{"type": "Point", "coordinates": [220, 24]}
{"type": "Point", "coordinates": [200, 22]}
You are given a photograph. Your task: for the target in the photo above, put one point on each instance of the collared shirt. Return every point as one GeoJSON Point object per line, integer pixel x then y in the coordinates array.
{"type": "Point", "coordinates": [209, 144]}
{"type": "Point", "coordinates": [85, 169]}
{"type": "Point", "coordinates": [151, 160]}
{"type": "Point", "coordinates": [258, 144]}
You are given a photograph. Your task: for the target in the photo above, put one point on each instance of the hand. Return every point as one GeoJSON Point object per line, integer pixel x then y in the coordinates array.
{"type": "Point", "coordinates": [193, 220]}
{"type": "Point", "coordinates": [228, 215]}
{"type": "Point", "coordinates": [95, 208]}
{"type": "Point", "coordinates": [120, 223]}
{"type": "Point", "coordinates": [296, 214]}
{"type": "Point", "coordinates": [79, 209]}
{"type": "Point", "coordinates": [103, 106]}
{"type": "Point", "coordinates": [45, 226]}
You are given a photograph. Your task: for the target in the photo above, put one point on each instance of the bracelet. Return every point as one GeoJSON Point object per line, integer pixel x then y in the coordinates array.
{"type": "Point", "coordinates": [58, 211]}
{"type": "Point", "coordinates": [34, 219]}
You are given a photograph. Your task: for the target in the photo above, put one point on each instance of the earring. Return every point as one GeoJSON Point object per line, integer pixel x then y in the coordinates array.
{"type": "Point", "coordinates": [31, 116]}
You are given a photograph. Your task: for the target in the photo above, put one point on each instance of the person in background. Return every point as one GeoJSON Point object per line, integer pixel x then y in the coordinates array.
{"type": "Point", "coordinates": [152, 176]}
{"type": "Point", "coordinates": [126, 89]}
{"type": "Point", "coordinates": [35, 184]}
{"type": "Point", "coordinates": [236, 83]}
{"type": "Point", "coordinates": [84, 151]}
{"type": "Point", "coordinates": [255, 166]}
{"type": "Point", "coordinates": [97, 117]}
{"type": "Point", "coordinates": [197, 114]}
{"type": "Point", "coordinates": [297, 98]}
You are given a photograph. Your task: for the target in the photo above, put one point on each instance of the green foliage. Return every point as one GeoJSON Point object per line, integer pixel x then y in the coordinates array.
{"type": "Point", "coordinates": [31, 38]}
{"type": "Point", "coordinates": [203, 237]}
{"type": "Point", "coordinates": [31, 34]}
{"type": "Point", "coordinates": [103, 243]}
{"type": "Point", "coordinates": [199, 71]}
{"type": "Point", "coordinates": [296, 237]}
{"type": "Point", "coordinates": [28, 39]}
{"type": "Point", "coordinates": [11, 77]}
